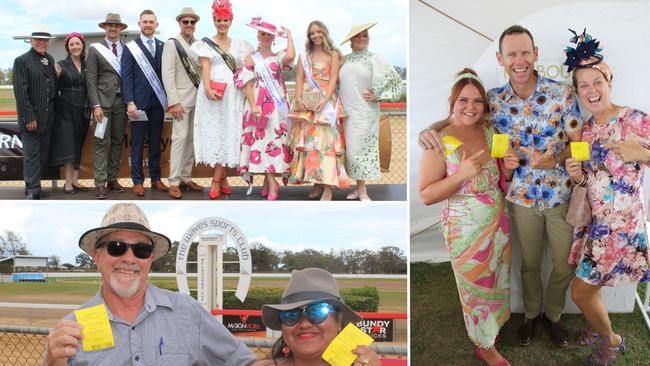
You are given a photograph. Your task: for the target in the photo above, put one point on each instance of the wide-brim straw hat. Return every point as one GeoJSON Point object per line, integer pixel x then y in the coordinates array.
{"type": "Point", "coordinates": [112, 18]}
{"type": "Point", "coordinates": [188, 12]}
{"type": "Point", "coordinates": [265, 27]}
{"type": "Point", "coordinates": [125, 217]}
{"type": "Point", "coordinates": [356, 29]}
{"type": "Point", "coordinates": [310, 285]}
{"type": "Point", "coordinates": [40, 32]}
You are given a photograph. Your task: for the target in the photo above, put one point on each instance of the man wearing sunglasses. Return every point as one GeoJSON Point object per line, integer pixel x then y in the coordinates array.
{"type": "Point", "coordinates": [181, 76]}
{"type": "Point", "coordinates": [150, 326]}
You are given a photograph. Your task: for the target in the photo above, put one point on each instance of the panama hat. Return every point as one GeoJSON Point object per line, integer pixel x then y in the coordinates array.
{"type": "Point", "coordinates": [265, 27]}
{"type": "Point", "coordinates": [358, 28]}
{"type": "Point", "coordinates": [112, 18]}
{"type": "Point", "coordinates": [40, 32]}
{"type": "Point", "coordinates": [125, 217]}
{"type": "Point", "coordinates": [308, 286]}
{"type": "Point", "coordinates": [188, 12]}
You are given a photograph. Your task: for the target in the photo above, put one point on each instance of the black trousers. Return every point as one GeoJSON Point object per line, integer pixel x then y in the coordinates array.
{"type": "Point", "coordinates": [36, 148]}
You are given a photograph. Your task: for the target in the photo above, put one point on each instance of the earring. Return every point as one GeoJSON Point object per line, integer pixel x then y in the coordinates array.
{"type": "Point", "coordinates": [286, 350]}
{"type": "Point", "coordinates": [274, 43]}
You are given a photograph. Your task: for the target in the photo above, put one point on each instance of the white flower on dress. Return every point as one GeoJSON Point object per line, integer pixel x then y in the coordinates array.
{"type": "Point", "coordinates": [44, 61]}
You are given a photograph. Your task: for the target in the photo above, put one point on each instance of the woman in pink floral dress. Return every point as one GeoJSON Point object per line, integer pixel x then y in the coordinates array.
{"type": "Point", "coordinates": [613, 249]}
{"type": "Point", "coordinates": [265, 142]}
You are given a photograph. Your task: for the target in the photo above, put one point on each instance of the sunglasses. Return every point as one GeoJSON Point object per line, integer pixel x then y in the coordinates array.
{"type": "Point", "coordinates": [118, 248]}
{"type": "Point", "coordinates": [186, 22]}
{"type": "Point", "coordinates": [315, 313]}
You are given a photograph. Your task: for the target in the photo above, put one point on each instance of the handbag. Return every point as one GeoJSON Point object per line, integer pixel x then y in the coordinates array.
{"type": "Point", "coordinates": [579, 212]}
{"type": "Point", "coordinates": [311, 99]}
{"type": "Point", "coordinates": [219, 87]}
{"type": "Point", "coordinates": [385, 143]}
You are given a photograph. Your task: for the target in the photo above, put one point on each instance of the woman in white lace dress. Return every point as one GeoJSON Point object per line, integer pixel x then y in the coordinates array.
{"type": "Point", "coordinates": [218, 116]}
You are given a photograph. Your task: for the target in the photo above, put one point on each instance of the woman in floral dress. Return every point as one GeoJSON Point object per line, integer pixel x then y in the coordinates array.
{"type": "Point", "coordinates": [265, 141]}
{"type": "Point", "coordinates": [317, 136]}
{"type": "Point", "coordinates": [217, 120]}
{"type": "Point", "coordinates": [474, 221]}
{"type": "Point", "coordinates": [613, 249]}
{"type": "Point", "coordinates": [366, 78]}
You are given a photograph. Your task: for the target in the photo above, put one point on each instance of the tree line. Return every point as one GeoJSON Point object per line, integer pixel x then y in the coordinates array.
{"type": "Point", "coordinates": [386, 260]}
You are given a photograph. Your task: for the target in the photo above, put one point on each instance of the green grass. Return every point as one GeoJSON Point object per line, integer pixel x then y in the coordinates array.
{"type": "Point", "coordinates": [438, 334]}
{"type": "Point", "coordinates": [7, 104]}
{"type": "Point", "coordinates": [50, 288]}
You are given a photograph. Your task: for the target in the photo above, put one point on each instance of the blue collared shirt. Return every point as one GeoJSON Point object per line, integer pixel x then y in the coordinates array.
{"type": "Point", "coordinates": [547, 115]}
{"type": "Point", "coordinates": [170, 329]}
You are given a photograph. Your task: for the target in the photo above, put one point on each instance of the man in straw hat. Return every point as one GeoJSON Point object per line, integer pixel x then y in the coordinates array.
{"type": "Point", "coordinates": [104, 85]}
{"type": "Point", "coordinates": [35, 86]}
{"type": "Point", "coordinates": [181, 77]}
{"type": "Point", "coordinates": [149, 325]}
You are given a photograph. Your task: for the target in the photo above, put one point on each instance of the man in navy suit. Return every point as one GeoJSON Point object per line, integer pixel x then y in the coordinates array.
{"type": "Point", "coordinates": [142, 90]}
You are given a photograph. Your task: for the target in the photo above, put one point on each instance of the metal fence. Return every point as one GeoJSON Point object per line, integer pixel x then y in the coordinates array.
{"type": "Point", "coordinates": [26, 346]}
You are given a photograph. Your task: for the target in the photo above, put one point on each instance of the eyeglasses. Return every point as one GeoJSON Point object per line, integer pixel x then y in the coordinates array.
{"type": "Point", "coordinates": [118, 248]}
{"type": "Point", "coordinates": [315, 313]}
{"type": "Point", "coordinates": [186, 22]}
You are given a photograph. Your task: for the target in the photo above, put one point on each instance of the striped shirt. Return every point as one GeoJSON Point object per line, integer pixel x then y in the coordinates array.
{"type": "Point", "coordinates": [170, 329]}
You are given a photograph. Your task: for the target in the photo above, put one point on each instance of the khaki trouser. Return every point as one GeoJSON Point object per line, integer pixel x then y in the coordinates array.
{"type": "Point", "coordinates": [531, 224]}
{"type": "Point", "coordinates": [181, 157]}
{"type": "Point", "coordinates": [106, 165]}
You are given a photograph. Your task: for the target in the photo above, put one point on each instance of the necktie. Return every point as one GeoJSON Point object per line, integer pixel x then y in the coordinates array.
{"type": "Point", "coordinates": [150, 43]}
{"type": "Point", "coordinates": [115, 49]}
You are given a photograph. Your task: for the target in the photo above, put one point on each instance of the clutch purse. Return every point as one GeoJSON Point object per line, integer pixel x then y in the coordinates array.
{"type": "Point", "coordinates": [579, 212]}
{"type": "Point", "coordinates": [219, 87]}
{"type": "Point", "coordinates": [311, 98]}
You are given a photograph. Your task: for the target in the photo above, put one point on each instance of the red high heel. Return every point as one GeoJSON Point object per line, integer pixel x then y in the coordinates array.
{"type": "Point", "coordinates": [214, 193]}
{"type": "Point", "coordinates": [225, 189]}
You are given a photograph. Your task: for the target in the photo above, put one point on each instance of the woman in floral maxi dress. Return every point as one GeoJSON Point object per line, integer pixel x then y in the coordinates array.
{"type": "Point", "coordinates": [317, 136]}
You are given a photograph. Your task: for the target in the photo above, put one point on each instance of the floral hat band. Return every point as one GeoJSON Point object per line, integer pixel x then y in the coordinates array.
{"type": "Point", "coordinates": [266, 27]}
{"type": "Point", "coordinates": [586, 54]}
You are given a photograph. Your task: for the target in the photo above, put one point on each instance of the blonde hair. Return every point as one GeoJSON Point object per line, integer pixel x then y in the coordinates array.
{"type": "Point", "coordinates": [328, 44]}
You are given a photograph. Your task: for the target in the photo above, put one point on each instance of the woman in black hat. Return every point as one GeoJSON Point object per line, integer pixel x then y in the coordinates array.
{"type": "Point", "coordinates": [311, 315]}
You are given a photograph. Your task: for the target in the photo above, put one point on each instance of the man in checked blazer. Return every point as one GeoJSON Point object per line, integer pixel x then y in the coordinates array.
{"type": "Point", "coordinates": [104, 85]}
{"type": "Point", "coordinates": [140, 95]}
{"type": "Point", "coordinates": [35, 87]}
{"type": "Point", "coordinates": [181, 88]}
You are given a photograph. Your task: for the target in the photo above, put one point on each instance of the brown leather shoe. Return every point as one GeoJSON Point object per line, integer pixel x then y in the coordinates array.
{"type": "Point", "coordinates": [527, 332]}
{"type": "Point", "coordinates": [558, 334]}
{"type": "Point", "coordinates": [138, 190]}
{"type": "Point", "coordinates": [159, 186]}
{"type": "Point", "coordinates": [100, 192]}
{"type": "Point", "coordinates": [175, 192]}
{"type": "Point", "coordinates": [192, 186]}
{"type": "Point", "coordinates": [116, 186]}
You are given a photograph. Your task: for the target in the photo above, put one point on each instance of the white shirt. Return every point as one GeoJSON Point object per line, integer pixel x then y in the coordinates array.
{"type": "Point", "coordinates": [146, 45]}
{"type": "Point", "coordinates": [119, 47]}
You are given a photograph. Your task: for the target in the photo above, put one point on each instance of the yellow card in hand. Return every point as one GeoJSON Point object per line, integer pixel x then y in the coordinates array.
{"type": "Point", "coordinates": [339, 352]}
{"type": "Point", "coordinates": [450, 144]}
{"type": "Point", "coordinates": [500, 144]}
{"type": "Point", "coordinates": [97, 329]}
{"type": "Point", "coordinates": [580, 151]}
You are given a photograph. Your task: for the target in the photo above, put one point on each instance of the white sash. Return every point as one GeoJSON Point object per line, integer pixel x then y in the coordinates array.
{"type": "Point", "coordinates": [272, 85]}
{"type": "Point", "coordinates": [330, 112]}
{"type": "Point", "coordinates": [108, 56]}
{"type": "Point", "coordinates": [148, 71]}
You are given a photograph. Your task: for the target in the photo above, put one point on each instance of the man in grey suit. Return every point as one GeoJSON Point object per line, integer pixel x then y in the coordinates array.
{"type": "Point", "coordinates": [181, 76]}
{"type": "Point", "coordinates": [104, 85]}
{"type": "Point", "coordinates": [34, 81]}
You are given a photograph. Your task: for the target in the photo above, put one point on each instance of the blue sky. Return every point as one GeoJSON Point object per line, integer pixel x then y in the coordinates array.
{"type": "Point", "coordinates": [388, 38]}
{"type": "Point", "coordinates": [55, 227]}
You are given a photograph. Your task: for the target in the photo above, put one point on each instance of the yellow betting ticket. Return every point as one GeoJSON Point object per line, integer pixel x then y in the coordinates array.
{"type": "Point", "coordinates": [500, 144]}
{"type": "Point", "coordinates": [450, 143]}
{"type": "Point", "coordinates": [339, 352]}
{"type": "Point", "coordinates": [580, 151]}
{"type": "Point", "coordinates": [97, 329]}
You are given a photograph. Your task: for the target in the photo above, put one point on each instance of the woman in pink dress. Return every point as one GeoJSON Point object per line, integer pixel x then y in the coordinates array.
{"type": "Point", "coordinates": [613, 249]}
{"type": "Point", "coordinates": [265, 141]}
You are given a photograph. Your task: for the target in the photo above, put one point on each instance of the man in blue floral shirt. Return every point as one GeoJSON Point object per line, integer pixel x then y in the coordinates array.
{"type": "Point", "coordinates": [541, 116]}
